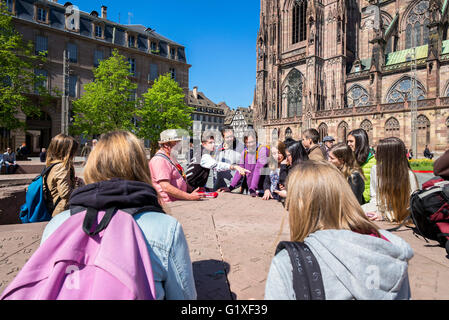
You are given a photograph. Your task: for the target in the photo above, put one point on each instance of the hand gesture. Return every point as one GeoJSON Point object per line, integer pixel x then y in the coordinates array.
{"type": "Point", "coordinates": [281, 193]}
{"type": "Point", "coordinates": [242, 171]}
{"type": "Point", "coordinates": [267, 195]}
{"type": "Point", "coordinates": [195, 195]}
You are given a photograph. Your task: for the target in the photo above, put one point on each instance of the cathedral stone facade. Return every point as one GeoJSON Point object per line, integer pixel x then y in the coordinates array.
{"type": "Point", "coordinates": [338, 65]}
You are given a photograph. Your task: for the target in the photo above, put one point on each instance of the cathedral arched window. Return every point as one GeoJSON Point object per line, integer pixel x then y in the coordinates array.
{"type": "Point", "coordinates": [392, 127]}
{"type": "Point", "coordinates": [292, 93]}
{"type": "Point", "coordinates": [368, 127]}
{"type": "Point", "coordinates": [342, 131]}
{"type": "Point", "coordinates": [288, 133]}
{"type": "Point", "coordinates": [417, 32]}
{"type": "Point", "coordinates": [322, 129]}
{"type": "Point", "coordinates": [357, 96]}
{"type": "Point", "coordinates": [299, 21]}
{"type": "Point", "coordinates": [402, 91]}
{"type": "Point", "coordinates": [423, 124]}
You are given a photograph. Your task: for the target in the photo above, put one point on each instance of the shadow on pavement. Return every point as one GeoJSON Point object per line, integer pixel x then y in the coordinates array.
{"type": "Point", "coordinates": [211, 280]}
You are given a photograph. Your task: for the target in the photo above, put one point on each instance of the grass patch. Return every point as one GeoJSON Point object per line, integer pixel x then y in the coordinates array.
{"type": "Point", "coordinates": [421, 164]}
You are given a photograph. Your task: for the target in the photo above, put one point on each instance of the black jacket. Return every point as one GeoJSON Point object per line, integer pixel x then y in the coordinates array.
{"type": "Point", "coordinates": [358, 186]}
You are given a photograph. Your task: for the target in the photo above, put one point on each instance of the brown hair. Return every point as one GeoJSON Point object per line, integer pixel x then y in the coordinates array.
{"type": "Point", "coordinates": [312, 134]}
{"type": "Point", "coordinates": [344, 153]}
{"type": "Point", "coordinates": [393, 180]}
{"type": "Point", "coordinates": [319, 198]}
{"type": "Point", "coordinates": [272, 162]}
{"type": "Point", "coordinates": [62, 149]}
{"type": "Point", "coordinates": [118, 154]}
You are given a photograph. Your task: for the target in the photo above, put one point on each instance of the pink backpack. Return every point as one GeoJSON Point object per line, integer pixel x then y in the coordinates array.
{"type": "Point", "coordinates": [106, 259]}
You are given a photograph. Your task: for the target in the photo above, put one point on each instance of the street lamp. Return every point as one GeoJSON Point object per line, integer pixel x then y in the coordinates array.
{"type": "Point", "coordinates": [413, 99]}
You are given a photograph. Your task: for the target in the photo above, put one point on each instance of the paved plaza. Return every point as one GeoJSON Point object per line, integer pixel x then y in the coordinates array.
{"type": "Point", "coordinates": [232, 241]}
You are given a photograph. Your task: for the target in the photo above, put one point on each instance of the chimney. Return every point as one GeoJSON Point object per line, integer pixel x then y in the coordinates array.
{"type": "Point", "coordinates": [104, 12]}
{"type": "Point", "coordinates": [195, 92]}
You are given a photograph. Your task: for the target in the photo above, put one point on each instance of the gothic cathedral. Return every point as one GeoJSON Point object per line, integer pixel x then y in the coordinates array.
{"type": "Point", "coordinates": [338, 65]}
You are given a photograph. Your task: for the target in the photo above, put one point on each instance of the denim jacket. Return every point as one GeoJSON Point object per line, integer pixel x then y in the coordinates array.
{"type": "Point", "coordinates": [169, 253]}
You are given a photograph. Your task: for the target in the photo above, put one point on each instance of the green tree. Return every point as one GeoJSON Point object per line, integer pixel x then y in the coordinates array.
{"type": "Point", "coordinates": [163, 107]}
{"type": "Point", "coordinates": [17, 77]}
{"type": "Point", "coordinates": [109, 101]}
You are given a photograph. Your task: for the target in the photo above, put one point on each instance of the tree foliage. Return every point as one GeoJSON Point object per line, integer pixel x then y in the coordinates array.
{"type": "Point", "coordinates": [109, 101]}
{"type": "Point", "coordinates": [163, 107]}
{"type": "Point", "coordinates": [17, 77]}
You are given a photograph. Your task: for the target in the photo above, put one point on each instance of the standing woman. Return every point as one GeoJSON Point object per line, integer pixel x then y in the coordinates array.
{"type": "Point", "coordinates": [349, 249]}
{"type": "Point", "coordinates": [358, 141]}
{"type": "Point", "coordinates": [343, 158]}
{"type": "Point", "coordinates": [61, 180]}
{"type": "Point", "coordinates": [392, 183]}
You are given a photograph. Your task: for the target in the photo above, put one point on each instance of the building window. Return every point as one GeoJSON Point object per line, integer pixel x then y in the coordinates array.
{"type": "Point", "coordinates": [342, 131]}
{"type": "Point", "coordinates": [299, 21]}
{"type": "Point", "coordinates": [41, 45]}
{"type": "Point", "coordinates": [292, 93]}
{"type": "Point", "coordinates": [132, 66]}
{"type": "Point", "coordinates": [72, 52]}
{"type": "Point", "coordinates": [10, 5]}
{"type": "Point", "coordinates": [154, 73]}
{"type": "Point", "coordinates": [131, 41]}
{"type": "Point", "coordinates": [98, 31]}
{"type": "Point", "coordinates": [154, 47]}
{"type": "Point", "coordinates": [417, 31]}
{"type": "Point", "coordinates": [392, 128]}
{"type": "Point", "coordinates": [423, 124]}
{"type": "Point", "coordinates": [41, 83]}
{"type": "Point", "coordinates": [402, 91]}
{"type": "Point", "coordinates": [172, 53]}
{"type": "Point", "coordinates": [42, 14]}
{"type": "Point", "coordinates": [73, 85]}
{"type": "Point", "coordinates": [98, 56]}
{"type": "Point", "coordinates": [173, 73]}
{"type": "Point", "coordinates": [357, 96]}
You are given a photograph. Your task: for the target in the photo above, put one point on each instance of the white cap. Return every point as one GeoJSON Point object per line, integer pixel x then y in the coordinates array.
{"type": "Point", "coordinates": [171, 135]}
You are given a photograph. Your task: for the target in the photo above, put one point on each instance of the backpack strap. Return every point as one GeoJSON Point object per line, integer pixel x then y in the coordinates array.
{"type": "Point", "coordinates": [307, 278]}
{"type": "Point", "coordinates": [92, 216]}
{"type": "Point", "coordinates": [178, 167]}
{"type": "Point", "coordinates": [44, 176]}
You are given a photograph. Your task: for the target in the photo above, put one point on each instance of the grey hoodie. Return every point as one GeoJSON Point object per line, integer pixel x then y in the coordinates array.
{"type": "Point", "coordinates": [354, 266]}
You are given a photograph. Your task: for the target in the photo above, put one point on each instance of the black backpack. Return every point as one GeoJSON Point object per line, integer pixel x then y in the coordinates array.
{"type": "Point", "coordinates": [307, 278]}
{"type": "Point", "coordinates": [430, 212]}
{"type": "Point", "coordinates": [196, 175]}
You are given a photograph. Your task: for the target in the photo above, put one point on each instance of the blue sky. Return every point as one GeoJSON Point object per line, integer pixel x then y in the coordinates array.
{"type": "Point", "coordinates": [219, 36]}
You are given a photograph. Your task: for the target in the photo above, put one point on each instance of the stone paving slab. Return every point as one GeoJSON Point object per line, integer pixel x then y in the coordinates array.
{"type": "Point", "coordinates": [232, 241]}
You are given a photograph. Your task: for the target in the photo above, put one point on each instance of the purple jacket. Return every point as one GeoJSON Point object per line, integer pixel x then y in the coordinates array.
{"type": "Point", "coordinates": [253, 179]}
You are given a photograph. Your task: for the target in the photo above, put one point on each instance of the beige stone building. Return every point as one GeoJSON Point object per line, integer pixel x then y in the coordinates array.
{"type": "Point", "coordinates": [207, 114]}
{"type": "Point", "coordinates": [87, 38]}
{"type": "Point", "coordinates": [338, 65]}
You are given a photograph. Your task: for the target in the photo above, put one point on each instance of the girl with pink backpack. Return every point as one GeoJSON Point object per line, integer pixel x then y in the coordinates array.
{"type": "Point", "coordinates": [115, 242]}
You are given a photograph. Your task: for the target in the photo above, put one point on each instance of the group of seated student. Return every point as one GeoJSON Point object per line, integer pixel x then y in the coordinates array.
{"type": "Point", "coordinates": [321, 204]}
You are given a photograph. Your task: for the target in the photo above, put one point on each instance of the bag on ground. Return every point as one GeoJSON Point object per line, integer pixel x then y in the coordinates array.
{"type": "Point", "coordinates": [430, 211]}
{"type": "Point", "coordinates": [92, 256]}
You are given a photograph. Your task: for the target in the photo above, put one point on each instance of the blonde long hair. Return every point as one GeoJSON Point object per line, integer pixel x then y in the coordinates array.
{"type": "Point", "coordinates": [62, 149]}
{"type": "Point", "coordinates": [319, 198]}
{"type": "Point", "coordinates": [118, 154]}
